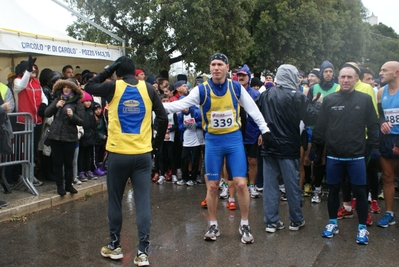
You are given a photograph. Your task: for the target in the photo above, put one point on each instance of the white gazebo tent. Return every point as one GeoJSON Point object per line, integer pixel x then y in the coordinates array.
{"type": "Point", "coordinates": [21, 35]}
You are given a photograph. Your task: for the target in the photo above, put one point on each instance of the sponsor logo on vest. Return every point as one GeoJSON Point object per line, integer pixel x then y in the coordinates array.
{"type": "Point", "coordinates": [131, 103]}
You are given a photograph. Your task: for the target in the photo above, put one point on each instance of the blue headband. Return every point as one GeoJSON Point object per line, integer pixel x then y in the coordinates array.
{"type": "Point", "coordinates": [221, 57]}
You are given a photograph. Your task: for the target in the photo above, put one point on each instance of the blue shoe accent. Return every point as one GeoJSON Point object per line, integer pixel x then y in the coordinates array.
{"type": "Point", "coordinates": [362, 236]}
{"type": "Point", "coordinates": [386, 220]}
{"type": "Point", "coordinates": [330, 230]}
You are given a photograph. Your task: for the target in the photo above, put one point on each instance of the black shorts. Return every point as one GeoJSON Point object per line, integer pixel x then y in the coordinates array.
{"type": "Point", "coordinates": [252, 150]}
{"type": "Point", "coordinates": [304, 139]}
{"type": "Point", "coordinates": [387, 142]}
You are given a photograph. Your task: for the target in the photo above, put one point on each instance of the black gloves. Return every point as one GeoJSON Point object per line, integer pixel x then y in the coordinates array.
{"type": "Point", "coordinates": [372, 152]}
{"type": "Point", "coordinates": [31, 61]}
{"type": "Point", "coordinates": [375, 154]}
{"type": "Point", "coordinates": [111, 69]}
{"type": "Point", "coordinates": [267, 139]}
{"type": "Point", "coordinates": [191, 126]}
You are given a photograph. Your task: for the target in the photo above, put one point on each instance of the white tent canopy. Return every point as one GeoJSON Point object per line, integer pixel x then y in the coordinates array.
{"type": "Point", "coordinates": [21, 34]}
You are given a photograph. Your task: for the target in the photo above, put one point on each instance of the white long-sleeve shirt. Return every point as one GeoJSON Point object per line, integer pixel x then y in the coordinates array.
{"type": "Point", "coordinates": [245, 101]}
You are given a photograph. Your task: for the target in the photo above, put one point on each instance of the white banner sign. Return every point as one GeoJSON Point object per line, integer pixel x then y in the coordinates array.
{"type": "Point", "coordinates": [12, 42]}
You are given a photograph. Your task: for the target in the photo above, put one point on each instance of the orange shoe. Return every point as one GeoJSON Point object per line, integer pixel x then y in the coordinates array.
{"type": "Point", "coordinates": [231, 205]}
{"type": "Point", "coordinates": [204, 204]}
{"type": "Point", "coordinates": [155, 177]}
{"type": "Point", "coordinates": [369, 220]}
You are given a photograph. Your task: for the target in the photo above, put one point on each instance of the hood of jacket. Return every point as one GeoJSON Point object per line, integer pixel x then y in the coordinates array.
{"type": "Point", "coordinates": [57, 88]}
{"type": "Point", "coordinates": [287, 76]}
{"type": "Point", "coordinates": [245, 69]}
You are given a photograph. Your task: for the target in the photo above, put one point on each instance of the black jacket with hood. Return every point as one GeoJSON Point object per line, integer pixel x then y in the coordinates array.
{"type": "Point", "coordinates": [63, 127]}
{"type": "Point", "coordinates": [283, 107]}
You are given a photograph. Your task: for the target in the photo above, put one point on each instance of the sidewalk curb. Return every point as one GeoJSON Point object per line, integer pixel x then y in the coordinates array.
{"type": "Point", "coordinates": [48, 200]}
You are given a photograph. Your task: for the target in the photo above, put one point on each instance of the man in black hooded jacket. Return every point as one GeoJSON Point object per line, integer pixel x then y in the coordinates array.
{"type": "Point", "coordinates": [283, 107]}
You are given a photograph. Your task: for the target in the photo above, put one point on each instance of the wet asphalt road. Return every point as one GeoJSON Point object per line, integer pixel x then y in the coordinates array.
{"type": "Point", "coordinates": [73, 234]}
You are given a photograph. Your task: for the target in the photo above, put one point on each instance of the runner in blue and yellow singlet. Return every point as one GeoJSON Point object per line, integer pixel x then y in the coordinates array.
{"type": "Point", "coordinates": [220, 100]}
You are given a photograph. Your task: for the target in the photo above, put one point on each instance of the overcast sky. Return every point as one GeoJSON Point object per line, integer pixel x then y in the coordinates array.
{"type": "Point", "coordinates": [60, 18]}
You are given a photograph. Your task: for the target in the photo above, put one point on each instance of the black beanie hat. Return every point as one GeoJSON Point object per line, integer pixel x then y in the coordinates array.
{"type": "Point", "coordinates": [126, 67]}
{"type": "Point", "coordinates": [182, 77]}
{"type": "Point", "coordinates": [255, 81]}
{"type": "Point", "coordinates": [315, 72]}
{"type": "Point", "coordinates": [96, 105]}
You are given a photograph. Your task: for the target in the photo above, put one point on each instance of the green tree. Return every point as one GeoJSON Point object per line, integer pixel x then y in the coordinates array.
{"type": "Point", "coordinates": [306, 32]}
{"type": "Point", "coordinates": [161, 32]}
{"type": "Point", "coordinates": [383, 47]}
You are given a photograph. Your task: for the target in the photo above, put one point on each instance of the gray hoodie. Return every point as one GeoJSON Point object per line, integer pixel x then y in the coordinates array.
{"type": "Point", "coordinates": [287, 76]}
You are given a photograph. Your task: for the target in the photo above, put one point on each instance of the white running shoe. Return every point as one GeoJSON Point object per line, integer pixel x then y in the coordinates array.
{"type": "Point", "coordinates": [225, 192]}
{"type": "Point", "coordinates": [161, 180]}
{"type": "Point", "coordinates": [221, 182]}
{"type": "Point", "coordinates": [252, 191]}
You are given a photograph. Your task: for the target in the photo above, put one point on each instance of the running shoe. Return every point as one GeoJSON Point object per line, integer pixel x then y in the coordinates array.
{"type": "Point", "coordinates": [316, 198]}
{"type": "Point", "coordinates": [259, 189]}
{"type": "Point", "coordinates": [283, 197]}
{"type": "Point", "coordinates": [307, 190]}
{"type": "Point", "coordinates": [246, 236]}
{"type": "Point", "coordinates": [190, 183]}
{"type": "Point", "coordinates": [369, 220]}
{"type": "Point", "coordinates": [353, 203]}
{"type": "Point", "coordinates": [204, 204]}
{"type": "Point", "coordinates": [272, 227]}
{"type": "Point", "coordinates": [295, 226]}
{"type": "Point", "coordinates": [225, 191]}
{"type": "Point", "coordinates": [155, 177]}
{"type": "Point", "coordinates": [386, 220]}
{"type": "Point", "coordinates": [252, 191]}
{"type": "Point", "coordinates": [141, 260]}
{"type": "Point", "coordinates": [181, 182]}
{"type": "Point", "coordinates": [82, 177]}
{"type": "Point", "coordinates": [344, 214]}
{"type": "Point", "coordinates": [231, 205]}
{"type": "Point", "coordinates": [374, 207]}
{"type": "Point", "coordinates": [330, 230]}
{"type": "Point", "coordinates": [362, 237]}
{"type": "Point", "coordinates": [90, 175]}
{"type": "Point", "coordinates": [174, 178]}
{"type": "Point", "coordinates": [161, 180]}
{"type": "Point", "coordinates": [381, 195]}
{"type": "Point", "coordinates": [221, 183]}
{"type": "Point", "coordinates": [212, 233]}
{"type": "Point", "coordinates": [110, 252]}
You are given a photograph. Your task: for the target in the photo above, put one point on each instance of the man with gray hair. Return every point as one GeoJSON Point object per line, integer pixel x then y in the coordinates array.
{"type": "Point", "coordinates": [283, 107]}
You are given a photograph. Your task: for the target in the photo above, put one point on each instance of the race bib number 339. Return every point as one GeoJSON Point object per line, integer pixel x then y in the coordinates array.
{"type": "Point", "coordinates": [222, 119]}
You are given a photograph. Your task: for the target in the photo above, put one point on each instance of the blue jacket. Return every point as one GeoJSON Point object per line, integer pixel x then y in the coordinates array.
{"type": "Point", "coordinates": [252, 131]}
{"type": "Point", "coordinates": [195, 113]}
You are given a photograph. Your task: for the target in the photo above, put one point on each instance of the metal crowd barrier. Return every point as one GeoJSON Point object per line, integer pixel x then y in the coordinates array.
{"type": "Point", "coordinates": [22, 146]}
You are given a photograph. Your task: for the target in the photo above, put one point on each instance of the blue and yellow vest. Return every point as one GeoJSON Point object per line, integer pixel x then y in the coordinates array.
{"type": "Point", "coordinates": [129, 117]}
{"type": "Point", "coordinates": [220, 114]}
